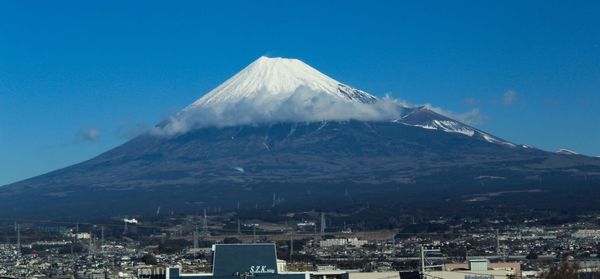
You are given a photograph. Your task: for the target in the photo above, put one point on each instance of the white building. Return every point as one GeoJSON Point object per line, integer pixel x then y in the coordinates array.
{"type": "Point", "coordinates": [342, 242]}
{"type": "Point", "coordinates": [586, 234]}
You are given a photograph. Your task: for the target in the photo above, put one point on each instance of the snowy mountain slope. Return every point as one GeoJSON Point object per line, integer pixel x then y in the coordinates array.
{"type": "Point", "coordinates": [278, 79]}
{"type": "Point", "coordinates": [428, 119]}
{"type": "Point", "coordinates": [222, 167]}
{"type": "Point", "coordinates": [274, 90]}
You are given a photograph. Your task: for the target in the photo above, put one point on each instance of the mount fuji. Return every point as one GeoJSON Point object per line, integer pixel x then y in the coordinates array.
{"type": "Point", "coordinates": [275, 90]}
{"type": "Point", "coordinates": [282, 128]}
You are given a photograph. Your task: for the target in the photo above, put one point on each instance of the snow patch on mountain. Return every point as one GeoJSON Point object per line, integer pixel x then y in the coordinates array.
{"type": "Point", "coordinates": [565, 151]}
{"type": "Point", "coordinates": [448, 126]}
{"type": "Point", "coordinates": [425, 117]}
{"type": "Point", "coordinates": [493, 139]}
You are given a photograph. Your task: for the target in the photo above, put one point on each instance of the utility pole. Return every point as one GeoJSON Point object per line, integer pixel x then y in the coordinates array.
{"type": "Point", "coordinates": [19, 240]}
{"type": "Point", "coordinates": [102, 237]}
{"type": "Point", "coordinates": [195, 241]}
{"type": "Point", "coordinates": [422, 260]}
{"type": "Point", "coordinates": [91, 245]}
{"type": "Point", "coordinates": [497, 243]}
{"type": "Point", "coordinates": [393, 246]}
{"type": "Point", "coordinates": [322, 222]}
{"type": "Point", "coordinates": [425, 265]}
{"type": "Point", "coordinates": [205, 225]}
{"type": "Point", "coordinates": [291, 245]}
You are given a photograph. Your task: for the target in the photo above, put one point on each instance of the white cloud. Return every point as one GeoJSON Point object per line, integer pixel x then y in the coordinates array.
{"type": "Point", "coordinates": [302, 106]}
{"type": "Point", "coordinates": [89, 134]}
{"type": "Point", "coordinates": [509, 97]}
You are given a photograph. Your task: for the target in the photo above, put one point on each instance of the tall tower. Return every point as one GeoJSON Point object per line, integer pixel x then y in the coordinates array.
{"type": "Point", "coordinates": [195, 240]}
{"type": "Point", "coordinates": [322, 222]}
{"type": "Point", "coordinates": [291, 245]}
{"type": "Point", "coordinates": [102, 237]}
{"type": "Point", "coordinates": [239, 227]}
{"type": "Point", "coordinates": [393, 246]}
{"type": "Point", "coordinates": [497, 244]}
{"type": "Point", "coordinates": [179, 230]}
{"type": "Point", "coordinates": [91, 249]}
{"type": "Point", "coordinates": [205, 225]}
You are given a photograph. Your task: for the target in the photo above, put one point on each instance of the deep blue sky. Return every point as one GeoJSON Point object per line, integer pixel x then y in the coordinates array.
{"type": "Point", "coordinates": [78, 78]}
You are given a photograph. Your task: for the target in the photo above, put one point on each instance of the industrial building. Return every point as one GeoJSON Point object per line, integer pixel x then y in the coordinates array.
{"type": "Point", "coordinates": [241, 261]}
{"type": "Point", "coordinates": [477, 269]}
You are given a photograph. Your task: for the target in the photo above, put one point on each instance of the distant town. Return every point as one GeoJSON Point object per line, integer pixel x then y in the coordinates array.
{"type": "Point", "coordinates": [305, 242]}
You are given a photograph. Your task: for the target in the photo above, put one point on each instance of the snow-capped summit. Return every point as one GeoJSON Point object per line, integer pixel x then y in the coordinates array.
{"type": "Point", "coordinates": [278, 90]}
{"type": "Point", "coordinates": [276, 80]}
{"type": "Point", "coordinates": [272, 90]}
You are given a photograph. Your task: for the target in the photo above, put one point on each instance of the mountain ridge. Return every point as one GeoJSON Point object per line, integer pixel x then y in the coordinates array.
{"type": "Point", "coordinates": [221, 167]}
